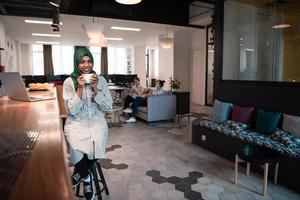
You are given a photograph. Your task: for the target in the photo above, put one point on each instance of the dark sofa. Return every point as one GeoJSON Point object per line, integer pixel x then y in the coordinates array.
{"type": "Point", "coordinates": [225, 144]}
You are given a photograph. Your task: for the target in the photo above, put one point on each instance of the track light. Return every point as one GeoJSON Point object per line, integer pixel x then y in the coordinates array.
{"type": "Point", "coordinates": [55, 28]}
{"type": "Point", "coordinates": [55, 3]}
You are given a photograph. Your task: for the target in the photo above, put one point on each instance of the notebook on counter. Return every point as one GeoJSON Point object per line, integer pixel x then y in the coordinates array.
{"type": "Point", "coordinates": [14, 88]}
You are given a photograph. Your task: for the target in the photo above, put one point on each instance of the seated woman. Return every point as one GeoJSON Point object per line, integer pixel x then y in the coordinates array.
{"type": "Point", "coordinates": [142, 99]}
{"type": "Point", "coordinates": [136, 90]}
{"type": "Point", "coordinates": [85, 129]}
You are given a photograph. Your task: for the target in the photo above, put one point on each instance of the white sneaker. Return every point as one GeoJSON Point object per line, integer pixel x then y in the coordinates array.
{"type": "Point", "coordinates": [128, 110]}
{"type": "Point", "coordinates": [131, 120]}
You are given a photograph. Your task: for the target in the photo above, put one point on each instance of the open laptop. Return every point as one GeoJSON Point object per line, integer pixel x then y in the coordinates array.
{"type": "Point", "coordinates": [14, 88]}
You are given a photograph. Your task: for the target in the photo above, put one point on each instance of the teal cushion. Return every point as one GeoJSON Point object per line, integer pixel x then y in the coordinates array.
{"type": "Point", "coordinates": [266, 122]}
{"type": "Point", "coordinates": [220, 112]}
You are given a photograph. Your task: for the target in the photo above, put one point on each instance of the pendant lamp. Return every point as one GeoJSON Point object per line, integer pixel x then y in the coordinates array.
{"type": "Point", "coordinates": [128, 2]}
{"type": "Point", "coordinates": [165, 41]}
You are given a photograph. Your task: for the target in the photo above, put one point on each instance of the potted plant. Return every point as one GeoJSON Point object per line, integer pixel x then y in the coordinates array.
{"type": "Point", "coordinates": [174, 84]}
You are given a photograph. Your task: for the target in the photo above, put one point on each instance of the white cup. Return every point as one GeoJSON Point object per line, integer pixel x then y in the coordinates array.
{"type": "Point", "coordinates": [87, 78]}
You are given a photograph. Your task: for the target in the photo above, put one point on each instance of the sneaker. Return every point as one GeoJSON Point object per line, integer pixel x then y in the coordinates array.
{"type": "Point", "coordinates": [76, 179]}
{"type": "Point", "coordinates": [127, 110]}
{"type": "Point", "coordinates": [131, 120]}
{"type": "Point", "coordinates": [88, 190]}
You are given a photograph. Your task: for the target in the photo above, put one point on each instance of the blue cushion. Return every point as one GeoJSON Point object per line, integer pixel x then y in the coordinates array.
{"type": "Point", "coordinates": [266, 122]}
{"type": "Point", "coordinates": [220, 112]}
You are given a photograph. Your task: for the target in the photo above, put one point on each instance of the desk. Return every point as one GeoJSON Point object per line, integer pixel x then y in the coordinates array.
{"type": "Point", "coordinates": [44, 175]}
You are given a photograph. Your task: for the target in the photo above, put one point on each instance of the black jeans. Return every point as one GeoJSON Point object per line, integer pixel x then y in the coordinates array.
{"type": "Point", "coordinates": [83, 166]}
{"type": "Point", "coordinates": [127, 101]}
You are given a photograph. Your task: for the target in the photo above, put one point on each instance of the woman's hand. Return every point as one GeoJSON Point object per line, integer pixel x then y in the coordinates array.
{"type": "Point", "coordinates": [81, 81]}
{"type": "Point", "coordinates": [94, 83]}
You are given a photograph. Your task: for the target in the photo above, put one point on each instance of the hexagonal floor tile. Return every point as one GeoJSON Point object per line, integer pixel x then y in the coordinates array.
{"type": "Point", "coordinates": [174, 180]}
{"type": "Point", "coordinates": [192, 195]}
{"type": "Point", "coordinates": [182, 187]}
{"type": "Point", "coordinates": [196, 174]}
{"type": "Point", "coordinates": [189, 180]}
{"type": "Point", "coordinates": [153, 173]}
{"type": "Point", "coordinates": [160, 179]}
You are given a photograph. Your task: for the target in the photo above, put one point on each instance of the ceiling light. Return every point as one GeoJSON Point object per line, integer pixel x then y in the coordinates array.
{"type": "Point", "coordinates": [277, 26]}
{"type": "Point", "coordinates": [165, 41]}
{"type": "Point", "coordinates": [46, 42]}
{"type": "Point", "coordinates": [55, 28]}
{"type": "Point", "coordinates": [93, 30]}
{"type": "Point", "coordinates": [55, 3]}
{"type": "Point", "coordinates": [128, 2]}
{"type": "Point", "coordinates": [118, 39]}
{"type": "Point", "coordinates": [39, 22]}
{"type": "Point", "coordinates": [125, 28]}
{"type": "Point", "coordinates": [98, 42]}
{"type": "Point", "coordinates": [46, 35]}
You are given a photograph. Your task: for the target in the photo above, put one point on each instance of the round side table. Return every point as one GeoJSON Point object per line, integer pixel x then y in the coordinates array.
{"type": "Point", "coordinates": [253, 154]}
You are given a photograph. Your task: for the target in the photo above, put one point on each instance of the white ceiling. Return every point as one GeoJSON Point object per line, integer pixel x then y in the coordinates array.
{"type": "Point", "coordinates": [72, 33]}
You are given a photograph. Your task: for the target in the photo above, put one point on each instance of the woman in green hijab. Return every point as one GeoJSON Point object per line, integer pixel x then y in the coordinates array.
{"type": "Point", "coordinates": [86, 98]}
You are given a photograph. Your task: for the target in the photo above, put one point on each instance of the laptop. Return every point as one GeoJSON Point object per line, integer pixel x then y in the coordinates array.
{"type": "Point", "coordinates": [14, 88]}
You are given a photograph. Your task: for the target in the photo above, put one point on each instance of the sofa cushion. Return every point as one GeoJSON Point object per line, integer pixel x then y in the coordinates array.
{"type": "Point", "coordinates": [266, 122]}
{"type": "Point", "coordinates": [220, 112]}
{"type": "Point", "coordinates": [242, 114]}
{"type": "Point", "coordinates": [291, 124]}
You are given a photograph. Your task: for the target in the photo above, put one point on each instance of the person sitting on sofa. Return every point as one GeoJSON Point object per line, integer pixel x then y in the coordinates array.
{"type": "Point", "coordinates": [136, 90]}
{"type": "Point", "coordinates": [142, 99]}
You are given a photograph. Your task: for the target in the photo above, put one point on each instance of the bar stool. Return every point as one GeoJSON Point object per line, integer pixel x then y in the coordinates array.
{"type": "Point", "coordinates": [261, 156]}
{"type": "Point", "coordinates": [95, 166]}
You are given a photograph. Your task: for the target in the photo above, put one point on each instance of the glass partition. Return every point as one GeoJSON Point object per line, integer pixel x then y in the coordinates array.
{"type": "Point", "coordinates": [261, 40]}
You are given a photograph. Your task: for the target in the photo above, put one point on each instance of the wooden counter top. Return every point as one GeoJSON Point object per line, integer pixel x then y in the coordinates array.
{"type": "Point", "coordinates": [45, 174]}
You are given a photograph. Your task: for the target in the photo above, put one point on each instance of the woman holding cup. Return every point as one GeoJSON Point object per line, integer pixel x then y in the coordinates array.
{"type": "Point", "coordinates": [86, 98]}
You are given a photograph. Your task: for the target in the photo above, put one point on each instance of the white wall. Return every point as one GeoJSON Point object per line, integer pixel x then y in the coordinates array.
{"type": "Point", "coordinates": [25, 67]}
{"type": "Point", "coordinates": [166, 65]}
{"type": "Point", "coordinates": [10, 54]}
{"type": "Point", "coordinates": [2, 42]}
{"type": "Point", "coordinates": [182, 59]}
{"type": "Point", "coordinates": [198, 66]}
{"type": "Point", "coordinates": [139, 64]}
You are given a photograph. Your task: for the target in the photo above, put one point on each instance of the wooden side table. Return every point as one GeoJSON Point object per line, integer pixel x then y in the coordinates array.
{"type": "Point", "coordinates": [182, 104]}
{"type": "Point", "coordinates": [261, 156]}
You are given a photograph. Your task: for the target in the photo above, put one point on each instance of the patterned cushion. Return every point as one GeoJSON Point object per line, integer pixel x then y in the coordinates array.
{"type": "Point", "coordinates": [284, 146]}
{"type": "Point", "coordinates": [285, 138]}
{"type": "Point", "coordinates": [291, 124]}
{"type": "Point", "coordinates": [236, 126]}
{"type": "Point", "coordinates": [242, 114]}
{"type": "Point", "coordinates": [220, 112]}
{"type": "Point", "coordinates": [266, 122]}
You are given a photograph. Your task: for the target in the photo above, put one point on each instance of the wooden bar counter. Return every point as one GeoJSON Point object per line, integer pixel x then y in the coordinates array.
{"type": "Point", "coordinates": [45, 174]}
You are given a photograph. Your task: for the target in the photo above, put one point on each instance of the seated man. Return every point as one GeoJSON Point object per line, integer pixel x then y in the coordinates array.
{"type": "Point", "coordinates": [142, 99]}
{"type": "Point", "coordinates": [136, 90]}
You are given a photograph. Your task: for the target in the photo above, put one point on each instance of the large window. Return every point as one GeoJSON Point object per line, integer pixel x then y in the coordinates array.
{"type": "Point", "coordinates": [117, 60]}
{"type": "Point", "coordinates": [96, 52]}
{"type": "Point", "coordinates": [62, 57]}
{"type": "Point", "coordinates": [37, 59]}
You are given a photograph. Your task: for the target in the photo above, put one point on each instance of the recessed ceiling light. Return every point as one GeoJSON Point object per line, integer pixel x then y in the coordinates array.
{"type": "Point", "coordinates": [39, 22]}
{"type": "Point", "coordinates": [110, 38]}
{"type": "Point", "coordinates": [46, 35]}
{"type": "Point", "coordinates": [249, 49]}
{"type": "Point", "coordinates": [55, 3]}
{"type": "Point", "coordinates": [125, 28]}
{"type": "Point", "coordinates": [46, 42]}
{"type": "Point", "coordinates": [281, 26]}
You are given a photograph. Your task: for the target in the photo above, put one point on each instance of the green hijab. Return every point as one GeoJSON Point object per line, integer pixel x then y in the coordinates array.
{"type": "Point", "coordinates": [78, 55]}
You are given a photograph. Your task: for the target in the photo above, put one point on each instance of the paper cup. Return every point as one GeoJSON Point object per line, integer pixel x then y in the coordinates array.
{"type": "Point", "coordinates": [87, 78]}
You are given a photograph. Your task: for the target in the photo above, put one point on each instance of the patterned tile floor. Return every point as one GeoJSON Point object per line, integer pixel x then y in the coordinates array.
{"type": "Point", "coordinates": [163, 150]}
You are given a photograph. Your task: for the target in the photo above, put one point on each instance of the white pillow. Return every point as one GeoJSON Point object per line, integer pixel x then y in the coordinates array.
{"type": "Point", "coordinates": [291, 124]}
